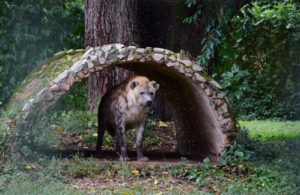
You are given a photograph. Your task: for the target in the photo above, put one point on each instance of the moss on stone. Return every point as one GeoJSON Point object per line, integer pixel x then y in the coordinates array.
{"type": "Point", "coordinates": [206, 76]}
{"type": "Point", "coordinates": [42, 74]}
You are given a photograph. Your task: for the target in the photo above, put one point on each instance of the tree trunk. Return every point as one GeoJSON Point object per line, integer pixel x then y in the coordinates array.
{"type": "Point", "coordinates": [108, 22]}
{"type": "Point", "coordinates": [155, 23]}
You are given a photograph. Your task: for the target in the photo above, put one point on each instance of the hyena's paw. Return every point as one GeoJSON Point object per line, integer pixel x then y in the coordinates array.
{"type": "Point", "coordinates": [124, 158]}
{"type": "Point", "coordinates": [143, 158]}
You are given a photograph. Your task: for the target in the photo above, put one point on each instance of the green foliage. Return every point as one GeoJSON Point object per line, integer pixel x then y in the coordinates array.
{"type": "Point", "coordinates": [68, 114]}
{"type": "Point", "coordinates": [80, 167]}
{"type": "Point", "coordinates": [274, 146]}
{"type": "Point", "coordinates": [236, 82]}
{"type": "Point", "coordinates": [42, 133]}
{"type": "Point", "coordinates": [73, 24]}
{"type": "Point", "coordinates": [196, 15]}
{"type": "Point", "coordinates": [93, 139]}
{"type": "Point", "coordinates": [3, 137]}
{"type": "Point", "coordinates": [253, 53]}
{"type": "Point", "coordinates": [71, 122]}
{"type": "Point", "coordinates": [41, 177]}
{"type": "Point", "coordinates": [252, 165]}
{"type": "Point", "coordinates": [76, 98]}
{"type": "Point", "coordinates": [260, 49]}
{"type": "Point", "coordinates": [266, 130]}
{"type": "Point", "coordinates": [30, 32]}
{"type": "Point", "coordinates": [75, 122]}
{"type": "Point", "coordinates": [216, 14]}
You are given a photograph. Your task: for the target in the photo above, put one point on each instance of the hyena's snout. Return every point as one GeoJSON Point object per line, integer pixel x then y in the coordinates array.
{"type": "Point", "coordinates": [148, 103]}
{"type": "Point", "coordinates": [148, 99]}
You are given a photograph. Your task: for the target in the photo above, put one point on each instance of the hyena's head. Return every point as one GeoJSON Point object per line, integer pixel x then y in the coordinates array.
{"type": "Point", "coordinates": [143, 90]}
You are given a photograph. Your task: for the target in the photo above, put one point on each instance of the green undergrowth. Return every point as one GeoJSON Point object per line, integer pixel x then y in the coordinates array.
{"type": "Point", "coordinates": [267, 130]}
{"type": "Point", "coordinates": [254, 164]}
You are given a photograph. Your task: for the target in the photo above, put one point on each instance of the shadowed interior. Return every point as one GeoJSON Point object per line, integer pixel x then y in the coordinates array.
{"type": "Point", "coordinates": [198, 133]}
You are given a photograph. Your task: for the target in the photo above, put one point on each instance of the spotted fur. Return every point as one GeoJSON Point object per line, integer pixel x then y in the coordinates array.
{"type": "Point", "coordinates": [123, 108]}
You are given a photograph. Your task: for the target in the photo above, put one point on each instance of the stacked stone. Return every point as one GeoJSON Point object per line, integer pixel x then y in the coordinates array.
{"type": "Point", "coordinates": [95, 59]}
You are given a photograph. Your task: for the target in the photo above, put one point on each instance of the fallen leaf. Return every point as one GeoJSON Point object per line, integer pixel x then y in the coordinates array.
{"type": "Point", "coordinates": [28, 166]}
{"type": "Point", "coordinates": [135, 172]}
{"type": "Point", "coordinates": [93, 190]}
{"type": "Point", "coordinates": [162, 124]}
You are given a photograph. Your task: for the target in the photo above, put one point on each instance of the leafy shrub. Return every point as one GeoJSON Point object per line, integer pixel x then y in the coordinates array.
{"type": "Point", "coordinates": [75, 121]}
{"type": "Point", "coordinates": [259, 51]}
{"type": "Point", "coordinates": [30, 32]}
{"type": "Point", "coordinates": [253, 54]}
{"type": "Point", "coordinates": [3, 137]}
{"type": "Point", "coordinates": [75, 99]}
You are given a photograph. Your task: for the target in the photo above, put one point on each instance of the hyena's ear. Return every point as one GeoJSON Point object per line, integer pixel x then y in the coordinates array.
{"type": "Point", "coordinates": [155, 85]}
{"type": "Point", "coordinates": [133, 84]}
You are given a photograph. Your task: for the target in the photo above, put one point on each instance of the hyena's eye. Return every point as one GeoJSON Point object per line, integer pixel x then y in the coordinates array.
{"type": "Point", "coordinates": [142, 93]}
{"type": "Point", "coordinates": [151, 93]}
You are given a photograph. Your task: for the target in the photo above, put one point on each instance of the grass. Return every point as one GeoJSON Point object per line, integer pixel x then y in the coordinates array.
{"type": "Point", "coordinates": [27, 184]}
{"type": "Point", "coordinates": [265, 160]}
{"type": "Point", "coordinates": [275, 148]}
{"type": "Point", "coordinates": [267, 130]}
{"type": "Point", "coordinates": [43, 176]}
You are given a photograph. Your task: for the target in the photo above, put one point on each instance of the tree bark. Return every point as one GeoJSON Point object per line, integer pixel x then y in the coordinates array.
{"type": "Point", "coordinates": [155, 23]}
{"type": "Point", "coordinates": [108, 22]}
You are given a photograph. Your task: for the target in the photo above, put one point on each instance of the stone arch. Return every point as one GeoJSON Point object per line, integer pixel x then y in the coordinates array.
{"type": "Point", "coordinates": [203, 120]}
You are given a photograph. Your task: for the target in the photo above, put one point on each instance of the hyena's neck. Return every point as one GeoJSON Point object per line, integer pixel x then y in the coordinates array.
{"type": "Point", "coordinates": [135, 114]}
{"type": "Point", "coordinates": [137, 109]}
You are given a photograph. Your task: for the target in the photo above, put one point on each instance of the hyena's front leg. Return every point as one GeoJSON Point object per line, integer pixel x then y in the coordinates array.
{"type": "Point", "coordinates": [139, 143]}
{"type": "Point", "coordinates": [122, 142]}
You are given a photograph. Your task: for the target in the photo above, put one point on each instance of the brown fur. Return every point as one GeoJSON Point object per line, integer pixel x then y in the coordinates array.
{"type": "Point", "coordinates": [123, 108]}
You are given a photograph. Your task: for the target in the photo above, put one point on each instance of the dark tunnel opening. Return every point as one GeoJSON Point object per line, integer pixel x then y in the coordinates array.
{"type": "Point", "coordinates": [198, 132]}
{"type": "Point", "coordinates": [203, 121]}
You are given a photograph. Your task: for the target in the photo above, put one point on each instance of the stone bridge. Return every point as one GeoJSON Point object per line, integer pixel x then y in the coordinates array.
{"type": "Point", "coordinates": [204, 122]}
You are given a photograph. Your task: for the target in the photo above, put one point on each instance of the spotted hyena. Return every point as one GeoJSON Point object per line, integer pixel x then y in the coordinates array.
{"type": "Point", "coordinates": [123, 108]}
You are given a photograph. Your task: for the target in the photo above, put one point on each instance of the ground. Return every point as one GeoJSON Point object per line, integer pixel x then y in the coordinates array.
{"type": "Point", "coordinates": [265, 160]}
{"type": "Point", "coordinates": [159, 142]}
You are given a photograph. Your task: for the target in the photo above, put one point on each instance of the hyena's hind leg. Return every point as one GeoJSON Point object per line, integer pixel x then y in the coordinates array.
{"type": "Point", "coordinates": [101, 131]}
{"type": "Point", "coordinates": [112, 131]}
